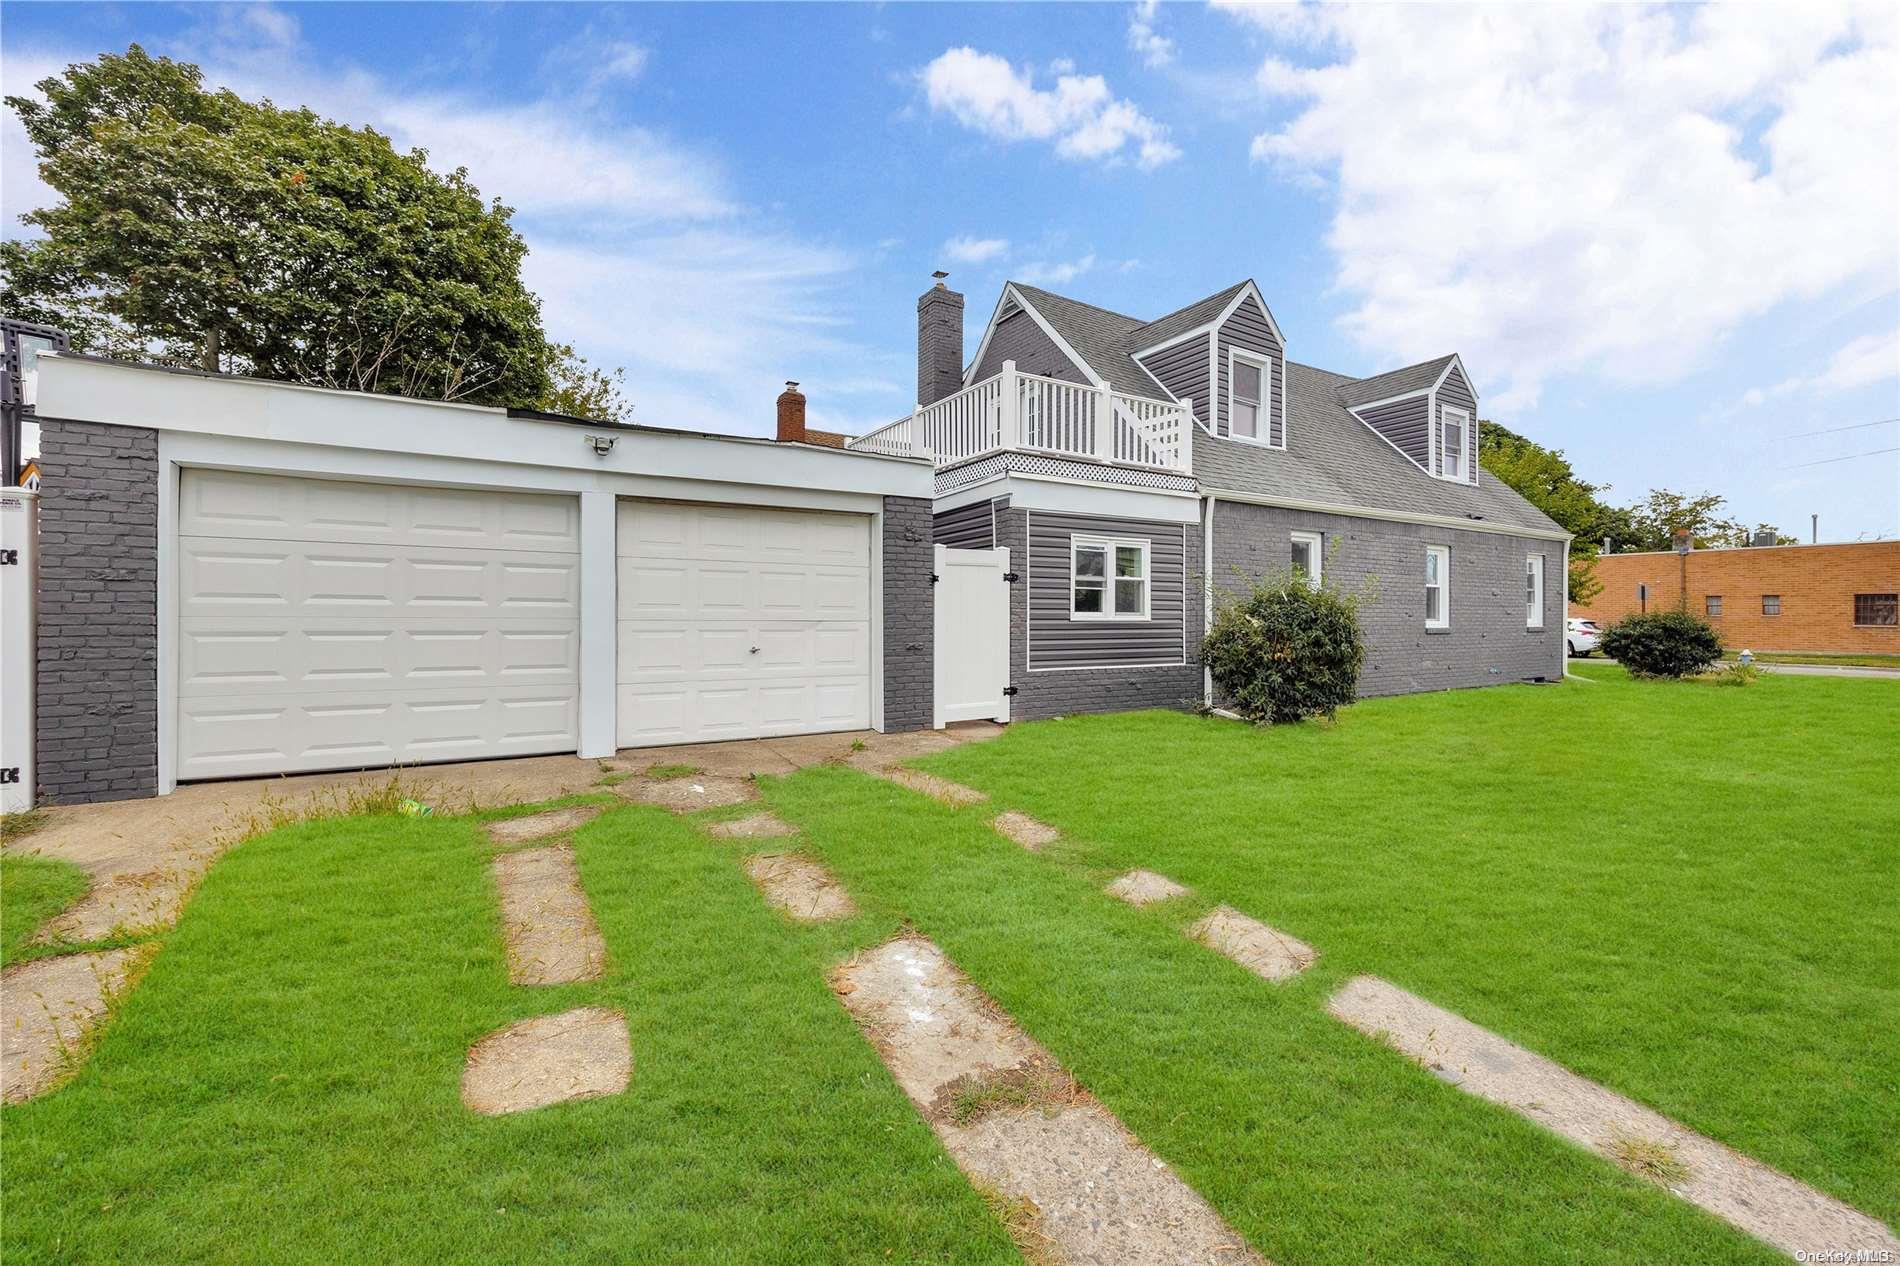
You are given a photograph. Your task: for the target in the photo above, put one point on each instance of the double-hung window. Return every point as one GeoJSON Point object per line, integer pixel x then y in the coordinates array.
{"type": "Point", "coordinates": [1248, 410]}
{"type": "Point", "coordinates": [1454, 427]}
{"type": "Point", "coordinates": [1108, 578]}
{"type": "Point", "coordinates": [1712, 606]}
{"type": "Point", "coordinates": [1877, 610]}
{"type": "Point", "coordinates": [1437, 586]}
{"type": "Point", "coordinates": [1534, 591]}
{"type": "Point", "coordinates": [1307, 551]}
{"type": "Point", "coordinates": [1771, 604]}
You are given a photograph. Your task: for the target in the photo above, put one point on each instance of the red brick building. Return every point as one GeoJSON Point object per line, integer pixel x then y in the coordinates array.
{"type": "Point", "coordinates": [1843, 599]}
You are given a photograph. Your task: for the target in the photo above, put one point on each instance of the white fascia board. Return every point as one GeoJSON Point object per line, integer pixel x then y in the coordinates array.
{"type": "Point", "coordinates": [1389, 516]}
{"type": "Point", "coordinates": [1459, 365]}
{"type": "Point", "coordinates": [1182, 337]}
{"type": "Point", "coordinates": [1062, 344]}
{"type": "Point", "coordinates": [1374, 404]}
{"type": "Point", "coordinates": [468, 436]}
{"type": "Point", "coordinates": [1071, 496]}
{"type": "Point", "coordinates": [988, 490]}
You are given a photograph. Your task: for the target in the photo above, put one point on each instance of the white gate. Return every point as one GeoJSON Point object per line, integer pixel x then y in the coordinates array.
{"type": "Point", "coordinates": [972, 645]}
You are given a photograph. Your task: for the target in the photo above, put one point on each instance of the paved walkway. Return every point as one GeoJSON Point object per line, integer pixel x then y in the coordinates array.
{"type": "Point", "coordinates": [1793, 670]}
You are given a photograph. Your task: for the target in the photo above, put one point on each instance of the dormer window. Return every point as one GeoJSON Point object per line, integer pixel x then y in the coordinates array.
{"type": "Point", "coordinates": [1454, 435]}
{"type": "Point", "coordinates": [1249, 412]}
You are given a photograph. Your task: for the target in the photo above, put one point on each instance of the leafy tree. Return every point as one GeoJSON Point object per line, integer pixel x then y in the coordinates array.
{"type": "Point", "coordinates": [1654, 522]}
{"type": "Point", "coordinates": [1544, 477]}
{"type": "Point", "coordinates": [199, 228]}
{"type": "Point", "coordinates": [580, 390]}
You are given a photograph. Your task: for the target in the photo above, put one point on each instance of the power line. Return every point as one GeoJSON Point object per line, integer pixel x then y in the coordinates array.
{"type": "Point", "coordinates": [1850, 457]}
{"type": "Point", "coordinates": [1858, 426]}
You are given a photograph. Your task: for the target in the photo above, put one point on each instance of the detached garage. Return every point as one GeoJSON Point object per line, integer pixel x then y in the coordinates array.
{"type": "Point", "coordinates": [241, 577]}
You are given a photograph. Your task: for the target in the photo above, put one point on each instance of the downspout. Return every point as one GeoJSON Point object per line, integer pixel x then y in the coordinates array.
{"type": "Point", "coordinates": [1207, 594]}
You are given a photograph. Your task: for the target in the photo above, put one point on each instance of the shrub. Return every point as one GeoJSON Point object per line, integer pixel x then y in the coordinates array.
{"type": "Point", "coordinates": [1286, 650]}
{"type": "Point", "coordinates": [1662, 644]}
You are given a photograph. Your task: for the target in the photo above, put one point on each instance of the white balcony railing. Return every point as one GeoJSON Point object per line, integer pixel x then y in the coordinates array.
{"type": "Point", "coordinates": [1016, 411]}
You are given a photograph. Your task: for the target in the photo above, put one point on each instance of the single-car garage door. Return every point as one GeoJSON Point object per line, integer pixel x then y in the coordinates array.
{"type": "Point", "coordinates": [328, 624]}
{"type": "Point", "coordinates": [738, 622]}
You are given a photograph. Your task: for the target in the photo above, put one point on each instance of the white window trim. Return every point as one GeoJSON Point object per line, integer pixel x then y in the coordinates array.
{"type": "Point", "coordinates": [1318, 543]}
{"type": "Point", "coordinates": [1444, 587]}
{"type": "Point", "coordinates": [1534, 608]}
{"type": "Point", "coordinates": [1265, 424]}
{"type": "Point", "coordinates": [1445, 413]}
{"type": "Point", "coordinates": [1110, 544]}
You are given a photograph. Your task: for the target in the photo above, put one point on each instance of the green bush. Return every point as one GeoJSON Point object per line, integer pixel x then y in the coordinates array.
{"type": "Point", "coordinates": [1662, 644]}
{"type": "Point", "coordinates": [1286, 650]}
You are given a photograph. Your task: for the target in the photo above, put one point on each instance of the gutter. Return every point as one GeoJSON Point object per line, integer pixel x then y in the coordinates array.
{"type": "Point", "coordinates": [1391, 516]}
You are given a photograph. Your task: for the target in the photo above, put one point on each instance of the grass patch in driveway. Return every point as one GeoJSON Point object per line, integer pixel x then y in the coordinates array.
{"type": "Point", "coordinates": [284, 1084]}
{"type": "Point", "coordinates": [1683, 894]}
{"type": "Point", "coordinates": [33, 890]}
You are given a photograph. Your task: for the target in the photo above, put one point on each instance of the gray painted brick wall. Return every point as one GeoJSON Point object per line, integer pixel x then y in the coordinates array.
{"type": "Point", "coordinates": [1487, 642]}
{"type": "Point", "coordinates": [97, 720]}
{"type": "Point", "coordinates": [1066, 692]}
{"type": "Point", "coordinates": [909, 615]}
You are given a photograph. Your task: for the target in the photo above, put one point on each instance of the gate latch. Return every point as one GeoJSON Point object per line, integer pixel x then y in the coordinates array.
{"type": "Point", "coordinates": [1009, 690]}
{"type": "Point", "coordinates": [1010, 578]}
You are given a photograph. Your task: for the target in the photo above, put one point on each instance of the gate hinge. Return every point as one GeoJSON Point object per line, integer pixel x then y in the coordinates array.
{"type": "Point", "coordinates": [1009, 690]}
{"type": "Point", "coordinates": [1010, 578]}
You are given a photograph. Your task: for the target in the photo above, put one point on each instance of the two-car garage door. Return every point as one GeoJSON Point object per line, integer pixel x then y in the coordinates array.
{"type": "Point", "coordinates": [325, 624]}
{"type": "Point", "coordinates": [332, 624]}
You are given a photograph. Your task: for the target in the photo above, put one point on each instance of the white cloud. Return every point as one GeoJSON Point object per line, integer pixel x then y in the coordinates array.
{"type": "Point", "coordinates": [643, 254]}
{"type": "Point", "coordinates": [1056, 273]}
{"type": "Point", "coordinates": [1554, 188]}
{"type": "Point", "coordinates": [975, 250]}
{"type": "Point", "coordinates": [1154, 48]}
{"type": "Point", "coordinates": [1860, 362]}
{"type": "Point", "coordinates": [1079, 114]}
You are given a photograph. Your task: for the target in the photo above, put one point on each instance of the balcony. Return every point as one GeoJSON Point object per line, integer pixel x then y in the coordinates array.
{"type": "Point", "coordinates": [1017, 412]}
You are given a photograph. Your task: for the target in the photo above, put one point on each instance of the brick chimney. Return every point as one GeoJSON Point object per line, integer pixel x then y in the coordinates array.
{"type": "Point", "coordinates": [939, 342]}
{"type": "Point", "coordinates": [791, 415]}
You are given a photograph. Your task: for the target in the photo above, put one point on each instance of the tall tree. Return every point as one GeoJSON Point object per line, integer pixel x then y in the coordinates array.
{"type": "Point", "coordinates": [581, 390]}
{"type": "Point", "coordinates": [1544, 477]}
{"type": "Point", "coordinates": [200, 228]}
{"type": "Point", "coordinates": [1654, 521]}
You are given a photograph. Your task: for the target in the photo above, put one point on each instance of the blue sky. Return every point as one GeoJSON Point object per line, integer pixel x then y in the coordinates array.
{"type": "Point", "coordinates": [1663, 240]}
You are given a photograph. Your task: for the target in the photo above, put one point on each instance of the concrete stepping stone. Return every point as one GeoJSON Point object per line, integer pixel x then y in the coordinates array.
{"type": "Point", "coordinates": [551, 934]}
{"type": "Point", "coordinates": [800, 887]}
{"type": "Point", "coordinates": [1764, 1202]}
{"type": "Point", "coordinates": [690, 794]}
{"type": "Point", "coordinates": [537, 826]}
{"type": "Point", "coordinates": [1145, 888]}
{"type": "Point", "coordinates": [1267, 953]}
{"type": "Point", "coordinates": [48, 1006]}
{"type": "Point", "coordinates": [1014, 1120]}
{"type": "Point", "coordinates": [758, 826]}
{"type": "Point", "coordinates": [1020, 828]}
{"type": "Point", "coordinates": [578, 1054]}
{"type": "Point", "coordinates": [941, 790]}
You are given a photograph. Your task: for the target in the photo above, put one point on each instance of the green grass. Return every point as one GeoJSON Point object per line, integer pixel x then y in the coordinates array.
{"type": "Point", "coordinates": [1684, 893]}
{"type": "Point", "coordinates": [1838, 661]}
{"type": "Point", "coordinates": [33, 890]}
{"type": "Point", "coordinates": [283, 1085]}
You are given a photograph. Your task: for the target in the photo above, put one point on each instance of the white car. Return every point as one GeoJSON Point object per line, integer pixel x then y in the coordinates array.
{"type": "Point", "coordinates": [1580, 637]}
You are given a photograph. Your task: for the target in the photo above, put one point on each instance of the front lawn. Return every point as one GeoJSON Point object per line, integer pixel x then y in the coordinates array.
{"type": "Point", "coordinates": [32, 890]}
{"type": "Point", "coordinates": [1683, 891]}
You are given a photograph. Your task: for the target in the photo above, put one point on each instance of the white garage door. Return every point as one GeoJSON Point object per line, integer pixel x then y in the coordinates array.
{"type": "Point", "coordinates": [333, 625]}
{"type": "Point", "coordinates": [737, 622]}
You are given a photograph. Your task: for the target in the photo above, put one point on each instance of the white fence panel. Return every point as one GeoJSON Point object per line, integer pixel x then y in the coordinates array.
{"type": "Point", "coordinates": [19, 592]}
{"type": "Point", "coordinates": [972, 644]}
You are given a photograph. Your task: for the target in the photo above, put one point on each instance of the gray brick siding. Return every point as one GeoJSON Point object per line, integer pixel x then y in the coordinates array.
{"type": "Point", "coordinates": [1487, 642]}
{"type": "Point", "coordinates": [909, 615]}
{"type": "Point", "coordinates": [97, 722]}
{"type": "Point", "coordinates": [939, 344]}
{"type": "Point", "coordinates": [1066, 692]}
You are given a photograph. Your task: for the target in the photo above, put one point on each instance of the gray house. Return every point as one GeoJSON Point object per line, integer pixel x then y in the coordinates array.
{"type": "Point", "coordinates": [1133, 468]}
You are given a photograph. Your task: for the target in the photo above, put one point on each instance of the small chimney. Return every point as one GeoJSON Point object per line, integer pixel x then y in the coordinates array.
{"type": "Point", "coordinates": [791, 415]}
{"type": "Point", "coordinates": [939, 342]}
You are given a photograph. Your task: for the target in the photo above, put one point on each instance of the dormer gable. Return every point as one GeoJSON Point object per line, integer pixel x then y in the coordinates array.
{"type": "Point", "coordinates": [1427, 411]}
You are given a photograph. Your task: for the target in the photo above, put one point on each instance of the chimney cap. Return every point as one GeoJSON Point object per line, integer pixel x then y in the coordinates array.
{"type": "Point", "coordinates": [940, 274]}
{"type": "Point", "coordinates": [791, 384]}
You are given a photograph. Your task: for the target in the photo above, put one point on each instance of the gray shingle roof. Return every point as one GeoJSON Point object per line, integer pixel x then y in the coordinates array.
{"type": "Point", "coordinates": [1181, 320]}
{"type": "Point", "coordinates": [1099, 337]}
{"type": "Point", "coordinates": [1333, 457]}
{"type": "Point", "coordinates": [1394, 382]}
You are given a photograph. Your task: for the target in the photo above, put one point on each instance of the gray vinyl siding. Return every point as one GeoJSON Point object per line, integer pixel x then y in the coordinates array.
{"type": "Point", "coordinates": [967, 527]}
{"type": "Point", "coordinates": [1248, 330]}
{"type": "Point", "coordinates": [1457, 393]}
{"type": "Point", "coordinates": [1056, 641]}
{"type": "Point", "coordinates": [1487, 643]}
{"type": "Point", "coordinates": [1182, 369]}
{"type": "Point", "coordinates": [1019, 338]}
{"type": "Point", "coordinates": [1407, 424]}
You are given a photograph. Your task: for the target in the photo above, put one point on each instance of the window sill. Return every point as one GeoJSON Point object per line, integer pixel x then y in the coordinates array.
{"type": "Point", "coordinates": [1434, 630]}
